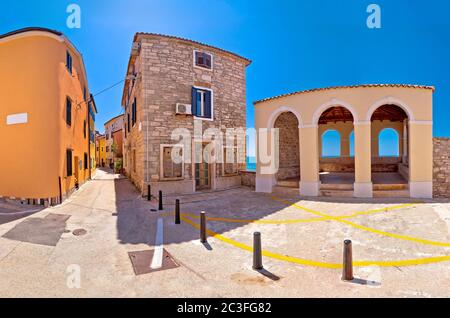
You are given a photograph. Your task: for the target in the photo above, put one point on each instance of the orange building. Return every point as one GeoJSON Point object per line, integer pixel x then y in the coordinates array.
{"type": "Point", "coordinates": [44, 116]}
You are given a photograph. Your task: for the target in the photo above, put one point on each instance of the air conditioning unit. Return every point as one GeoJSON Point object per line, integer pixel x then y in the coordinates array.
{"type": "Point", "coordinates": [183, 109]}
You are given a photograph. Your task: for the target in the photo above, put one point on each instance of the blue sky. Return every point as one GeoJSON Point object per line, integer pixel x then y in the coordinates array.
{"type": "Point", "coordinates": [295, 45]}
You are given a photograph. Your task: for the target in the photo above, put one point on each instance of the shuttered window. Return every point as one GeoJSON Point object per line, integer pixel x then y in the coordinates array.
{"type": "Point", "coordinates": [203, 60]}
{"type": "Point", "coordinates": [134, 112]}
{"type": "Point", "coordinates": [171, 169]}
{"type": "Point", "coordinates": [202, 103]}
{"type": "Point", "coordinates": [68, 111]}
{"type": "Point", "coordinates": [69, 162]}
{"type": "Point", "coordinates": [69, 62]}
{"type": "Point", "coordinates": [86, 165]}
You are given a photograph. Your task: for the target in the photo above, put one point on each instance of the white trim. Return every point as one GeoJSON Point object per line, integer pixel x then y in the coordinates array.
{"type": "Point", "coordinates": [389, 100]}
{"type": "Point", "coordinates": [161, 163]}
{"type": "Point", "coordinates": [363, 190]}
{"type": "Point", "coordinates": [310, 189]}
{"type": "Point", "coordinates": [15, 119]}
{"type": "Point", "coordinates": [201, 67]}
{"type": "Point", "coordinates": [212, 104]}
{"type": "Point", "coordinates": [421, 122]}
{"type": "Point", "coordinates": [362, 123]}
{"type": "Point", "coordinates": [334, 103]}
{"type": "Point", "coordinates": [421, 190]}
{"type": "Point", "coordinates": [279, 111]}
{"type": "Point", "coordinates": [309, 126]}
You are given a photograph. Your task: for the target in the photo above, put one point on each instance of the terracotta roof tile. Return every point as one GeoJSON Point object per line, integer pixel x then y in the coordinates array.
{"type": "Point", "coordinates": [340, 87]}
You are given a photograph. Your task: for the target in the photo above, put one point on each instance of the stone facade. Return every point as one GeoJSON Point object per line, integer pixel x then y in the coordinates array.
{"type": "Point", "coordinates": [165, 75]}
{"type": "Point", "coordinates": [248, 178]}
{"type": "Point", "coordinates": [289, 152]}
{"type": "Point", "coordinates": [441, 169]}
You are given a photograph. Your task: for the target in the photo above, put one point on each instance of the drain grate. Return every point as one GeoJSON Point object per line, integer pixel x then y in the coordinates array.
{"type": "Point", "coordinates": [142, 260]}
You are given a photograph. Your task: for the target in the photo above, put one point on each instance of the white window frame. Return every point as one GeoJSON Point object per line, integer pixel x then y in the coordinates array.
{"type": "Point", "coordinates": [224, 161]}
{"type": "Point", "coordinates": [161, 162]}
{"type": "Point", "coordinates": [201, 67]}
{"type": "Point", "coordinates": [212, 103]}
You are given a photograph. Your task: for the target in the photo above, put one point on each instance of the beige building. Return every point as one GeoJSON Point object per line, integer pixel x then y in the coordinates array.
{"type": "Point", "coordinates": [112, 127]}
{"type": "Point", "coordinates": [172, 83]}
{"type": "Point", "coordinates": [295, 149]}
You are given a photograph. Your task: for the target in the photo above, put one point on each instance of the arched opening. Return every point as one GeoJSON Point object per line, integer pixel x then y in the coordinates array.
{"type": "Point", "coordinates": [331, 144]}
{"type": "Point", "coordinates": [388, 143]}
{"type": "Point", "coordinates": [288, 174]}
{"type": "Point", "coordinates": [389, 130]}
{"type": "Point", "coordinates": [351, 140]}
{"type": "Point", "coordinates": [336, 166]}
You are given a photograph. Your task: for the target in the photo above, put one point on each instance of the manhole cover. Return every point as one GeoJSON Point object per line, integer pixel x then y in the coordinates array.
{"type": "Point", "coordinates": [142, 262]}
{"type": "Point", "coordinates": [79, 232]}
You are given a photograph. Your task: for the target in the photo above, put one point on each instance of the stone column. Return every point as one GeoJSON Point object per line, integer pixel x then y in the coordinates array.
{"type": "Point", "coordinates": [421, 160]}
{"type": "Point", "coordinates": [309, 158]}
{"type": "Point", "coordinates": [363, 161]}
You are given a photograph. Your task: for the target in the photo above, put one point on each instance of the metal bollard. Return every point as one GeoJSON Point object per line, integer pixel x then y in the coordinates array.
{"type": "Point", "coordinates": [347, 270]}
{"type": "Point", "coordinates": [149, 193]}
{"type": "Point", "coordinates": [203, 227]}
{"type": "Point", "coordinates": [257, 251]}
{"type": "Point", "coordinates": [160, 200]}
{"type": "Point", "coordinates": [177, 212]}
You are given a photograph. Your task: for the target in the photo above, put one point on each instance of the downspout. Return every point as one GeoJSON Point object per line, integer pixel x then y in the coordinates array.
{"type": "Point", "coordinates": [89, 140]}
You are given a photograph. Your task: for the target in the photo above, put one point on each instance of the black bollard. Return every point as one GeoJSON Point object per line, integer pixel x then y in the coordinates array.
{"type": "Point", "coordinates": [347, 270]}
{"type": "Point", "coordinates": [203, 227]}
{"type": "Point", "coordinates": [160, 200]}
{"type": "Point", "coordinates": [177, 212]}
{"type": "Point", "coordinates": [149, 193]}
{"type": "Point", "coordinates": [257, 251]}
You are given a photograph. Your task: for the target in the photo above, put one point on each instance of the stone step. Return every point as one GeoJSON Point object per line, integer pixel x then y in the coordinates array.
{"type": "Point", "coordinates": [391, 194]}
{"type": "Point", "coordinates": [334, 186]}
{"type": "Point", "coordinates": [337, 193]}
{"type": "Point", "coordinates": [288, 183]}
{"type": "Point", "coordinates": [390, 187]}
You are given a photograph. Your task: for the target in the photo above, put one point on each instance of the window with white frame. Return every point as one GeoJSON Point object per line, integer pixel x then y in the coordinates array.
{"type": "Point", "coordinates": [202, 103]}
{"type": "Point", "coordinates": [230, 161]}
{"type": "Point", "coordinates": [172, 166]}
{"type": "Point", "coordinates": [203, 60]}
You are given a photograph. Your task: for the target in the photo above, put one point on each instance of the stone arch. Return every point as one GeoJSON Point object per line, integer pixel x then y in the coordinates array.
{"type": "Point", "coordinates": [389, 101]}
{"type": "Point", "coordinates": [334, 103]}
{"type": "Point", "coordinates": [283, 109]}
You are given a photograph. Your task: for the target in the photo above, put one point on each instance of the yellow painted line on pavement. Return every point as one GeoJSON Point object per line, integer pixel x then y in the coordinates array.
{"type": "Point", "coordinates": [318, 219]}
{"type": "Point", "coordinates": [365, 228]}
{"type": "Point", "coordinates": [306, 262]}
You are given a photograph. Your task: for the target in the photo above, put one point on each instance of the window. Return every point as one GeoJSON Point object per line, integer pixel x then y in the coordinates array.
{"type": "Point", "coordinates": [203, 60]}
{"type": "Point", "coordinates": [134, 112]}
{"type": "Point", "coordinates": [85, 93]}
{"type": "Point", "coordinates": [97, 148]}
{"type": "Point", "coordinates": [107, 148]}
{"type": "Point", "coordinates": [230, 161]}
{"type": "Point", "coordinates": [84, 129]}
{"type": "Point", "coordinates": [128, 122]}
{"type": "Point", "coordinates": [171, 168]}
{"type": "Point", "coordinates": [68, 111]}
{"type": "Point", "coordinates": [125, 130]}
{"type": "Point", "coordinates": [85, 161]}
{"type": "Point", "coordinates": [134, 160]}
{"type": "Point", "coordinates": [69, 62]}
{"type": "Point", "coordinates": [202, 103]}
{"type": "Point", "coordinates": [69, 162]}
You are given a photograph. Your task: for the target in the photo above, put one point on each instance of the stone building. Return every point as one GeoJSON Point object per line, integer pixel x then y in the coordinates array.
{"type": "Point", "coordinates": [174, 83]}
{"type": "Point", "coordinates": [113, 139]}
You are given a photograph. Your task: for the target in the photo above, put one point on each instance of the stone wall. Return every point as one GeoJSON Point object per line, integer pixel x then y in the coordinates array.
{"type": "Point", "coordinates": [289, 146]}
{"type": "Point", "coordinates": [248, 178]}
{"type": "Point", "coordinates": [441, 169]}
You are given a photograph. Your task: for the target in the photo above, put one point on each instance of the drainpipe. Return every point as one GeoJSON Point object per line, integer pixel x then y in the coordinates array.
{"type": "Point", "coordinates": [89, 140]}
